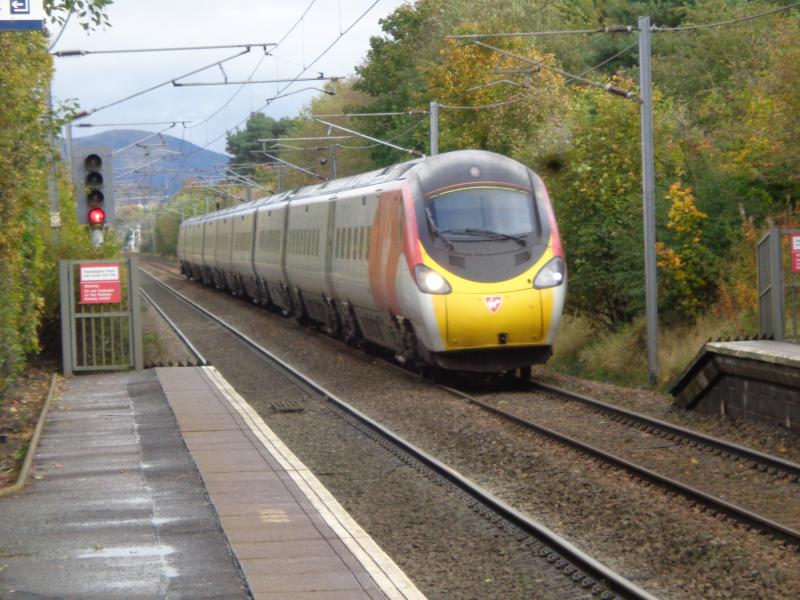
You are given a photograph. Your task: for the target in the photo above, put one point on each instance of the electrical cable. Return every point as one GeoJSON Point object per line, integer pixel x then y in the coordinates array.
{"type": "Point", "coordinates": [253, 72]}
{"type": "Point", "coordinates": [397, 137]}
{"type": "Point", "coordinates": [541, 91]}
{"type": "Point", "coordinates": [570, 79]}
{"type": "Point", "coordinates": [60, 33]}
{"type": "Point", "coordinates": [317, 59]}
{"type": "Point", "coordinates": [306, 68]}
{"type": "Point", "coordinates": [727, 22]}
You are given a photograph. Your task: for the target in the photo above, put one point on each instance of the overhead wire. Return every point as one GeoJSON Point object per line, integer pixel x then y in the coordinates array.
{"type": "Point", "coordinates": [238, 91]}
{"type": "Point", "coordinates": [63, 29]}
{"type": "Point", "coordinates": [392, 139]}
{"type": "Point", "coordinates": [302, 72]}
{"type": "Point", "coordinates": [733, 21]}
{"type": "Point", "coordinates": [541, 91]}
{"type": "Point", "coordinates": [253, 72]}
{"type": "Point", "coordinates": [311, 64]}
{"type": "Point", "coordinates": [523, 96]}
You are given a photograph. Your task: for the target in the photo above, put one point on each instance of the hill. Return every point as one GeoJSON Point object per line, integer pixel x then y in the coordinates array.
{"type": "Point", "coordinates": [174, 161]}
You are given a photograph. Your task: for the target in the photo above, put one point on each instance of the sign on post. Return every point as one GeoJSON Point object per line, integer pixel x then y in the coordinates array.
{"type": "Point", "coordinates": [100, 284]}
{"type": "Point", "coordinates": [795, 240]}
{"type": "Point", "coordinates": [21, 15]}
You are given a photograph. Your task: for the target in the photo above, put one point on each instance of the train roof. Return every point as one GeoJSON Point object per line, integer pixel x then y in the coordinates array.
{"type": "Point", "coordinates": [378, 176]}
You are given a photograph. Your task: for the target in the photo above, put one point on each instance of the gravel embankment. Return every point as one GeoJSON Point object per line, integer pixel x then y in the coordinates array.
{"type": "Point", "coordinates": [662, 543]}
{"type": "Point", "coordinates": [431, 530]}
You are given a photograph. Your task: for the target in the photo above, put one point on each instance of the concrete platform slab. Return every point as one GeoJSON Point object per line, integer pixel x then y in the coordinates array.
{"type": "Point", "coordinates": [143, 484]}
{"type": "Point", "coordinates": [117, 509]}
{"type": "Point", "coordinates": [292, 538]}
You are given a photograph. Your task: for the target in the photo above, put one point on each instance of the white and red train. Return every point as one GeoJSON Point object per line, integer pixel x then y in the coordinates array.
{"type": "Point", "coordinates": [453, 260]}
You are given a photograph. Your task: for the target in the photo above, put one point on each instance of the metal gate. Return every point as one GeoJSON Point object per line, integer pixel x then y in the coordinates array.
{"type": "Point", "coordinates": [770, 285]}
{"type": "Point", "coordinates": [102, 332]}
{"type": "Point", "coordinates": [778, 284]}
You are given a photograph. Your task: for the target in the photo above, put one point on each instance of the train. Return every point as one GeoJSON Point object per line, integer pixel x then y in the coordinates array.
{"type": "Point", "coordinates": [451, 261]}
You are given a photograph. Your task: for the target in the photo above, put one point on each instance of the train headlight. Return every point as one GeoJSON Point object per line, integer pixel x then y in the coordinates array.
{"type": "Point", "coordinates": [430, 282]}
{"type": "Point", "coordinates": [550, 275]}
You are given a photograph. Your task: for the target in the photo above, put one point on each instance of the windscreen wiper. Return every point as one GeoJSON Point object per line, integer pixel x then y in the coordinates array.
{"type": "Point", "coordinates": [435, 229]}
{"type": "Point", "coordinates": [488, 232]}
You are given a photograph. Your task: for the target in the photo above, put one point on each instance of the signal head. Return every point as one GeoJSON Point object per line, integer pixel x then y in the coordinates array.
{"type": "Point", "coordinates": [94, 179]}
{"type": "Point", "coordinates": [95, 198]}
{"type": "Point", "coordinates": [97, 217]}
{"type": "Point", "coordinates": [93, 162]}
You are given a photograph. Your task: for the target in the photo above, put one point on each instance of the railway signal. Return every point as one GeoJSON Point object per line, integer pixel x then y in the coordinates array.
{"type": "Point", "coordinates": [91, 173]}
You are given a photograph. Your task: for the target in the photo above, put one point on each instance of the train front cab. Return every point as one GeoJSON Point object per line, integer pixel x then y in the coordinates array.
{"type": "Point", "coordinates": [492, 260]}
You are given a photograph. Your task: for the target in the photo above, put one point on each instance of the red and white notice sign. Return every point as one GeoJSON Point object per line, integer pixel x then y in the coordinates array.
{"type": "Point", "coordinates": [795, 239]}
{"type": "Point", "coordinates": [100, 284]}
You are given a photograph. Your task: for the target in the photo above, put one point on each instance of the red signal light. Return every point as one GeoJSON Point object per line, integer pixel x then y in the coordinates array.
{"type": "Point", "coordinates": [97, 216]}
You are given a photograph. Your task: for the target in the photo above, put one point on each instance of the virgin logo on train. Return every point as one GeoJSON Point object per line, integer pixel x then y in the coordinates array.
{"type": "Point", "coordinates": [493, 303]}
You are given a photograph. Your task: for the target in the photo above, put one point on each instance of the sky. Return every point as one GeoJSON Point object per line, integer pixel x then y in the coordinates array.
{"type": "Point", "coordinates": [97, 80]}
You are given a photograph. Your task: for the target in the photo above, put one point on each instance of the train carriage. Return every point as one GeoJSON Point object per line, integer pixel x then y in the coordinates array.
{"type": "Point", "coordinates": [453, 260]}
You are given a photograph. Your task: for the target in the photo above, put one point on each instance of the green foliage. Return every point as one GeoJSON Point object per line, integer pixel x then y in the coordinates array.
{"type": "Point", "coordinates": [521, 125]}
{"type": "Point", "coordinates": [727, 120]}
{"type": "Point", "coordinates": [29, 248]}
{"type": "Point", "coordinates": [24, 152]}
{"type": "Point", "coordinates": [685, 262]}
{"type": "Point", "coordinates": [91, 13]}
{"type": "Point", "coordinates": [597, 196]}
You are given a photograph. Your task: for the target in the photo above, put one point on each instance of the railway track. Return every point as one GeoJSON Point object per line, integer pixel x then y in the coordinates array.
{"type": "Point", "coordinates": [712, 503]}
{"type": "Point", "coordinates": [771, 465]}
{"type": "Point", "coordinates": [587, 576]}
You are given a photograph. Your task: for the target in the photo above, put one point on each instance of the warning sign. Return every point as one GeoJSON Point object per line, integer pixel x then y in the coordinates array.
{"type": "Point", "coordinates": [795, 238]}
{"type": "Point", "coordinates": [100, 284]}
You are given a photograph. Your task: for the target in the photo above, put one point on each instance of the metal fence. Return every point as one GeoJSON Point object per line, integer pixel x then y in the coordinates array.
{"type": "Point", "coordinates": [778, 285]}
{"type": "Point", "coordinates": [100, 336]}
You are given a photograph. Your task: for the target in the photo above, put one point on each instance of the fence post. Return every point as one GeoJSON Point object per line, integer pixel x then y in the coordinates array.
{"type": "Point", "coordinates": [776, 276]}
{"type": "Point", "coordinates": [135, 307]}
{"type": "Point", "coordinates": [66, 317]}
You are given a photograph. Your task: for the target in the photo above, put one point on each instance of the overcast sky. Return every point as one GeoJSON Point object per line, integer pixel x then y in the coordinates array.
{"type": "Point", "coordinates": [97, 80]}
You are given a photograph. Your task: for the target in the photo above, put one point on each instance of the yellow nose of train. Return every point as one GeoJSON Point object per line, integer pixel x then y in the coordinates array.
{"type": "Point", "coordinates": [477, 315]}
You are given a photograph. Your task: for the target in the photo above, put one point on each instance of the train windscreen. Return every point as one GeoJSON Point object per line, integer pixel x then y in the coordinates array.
{"type": "Point", "coordinates": [484, 212]}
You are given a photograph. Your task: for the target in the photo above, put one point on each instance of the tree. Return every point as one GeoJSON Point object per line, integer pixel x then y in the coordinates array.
{"type": "Point", "coordinates": [244, 144]}
{"type": "Point", "coordinates": [91, 13]}
{"type": "Point", "coordinates": [517, 104]}
{"type": "Point", "coordinates": [597, 195]}
{"type": "Point", "coordinates": [352, 155]}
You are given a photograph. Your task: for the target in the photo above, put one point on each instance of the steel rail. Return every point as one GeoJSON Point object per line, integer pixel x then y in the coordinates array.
{"type": "Point", "coordinates": [200, 358]}
{"type": "Point", "coordinates": [751, 519]}
{"type": "Point", "coordinates": [741, 514]}
{"type": "Point", "coordinates": [772, 462]}
{"type": "Point", "coordinates": [585, 563]}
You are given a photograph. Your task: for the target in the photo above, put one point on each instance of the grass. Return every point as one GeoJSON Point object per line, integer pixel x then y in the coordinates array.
{"type": "Point", "coordinates": [153, 348]}
{"type": "Point", "coordinates": [620, 356]}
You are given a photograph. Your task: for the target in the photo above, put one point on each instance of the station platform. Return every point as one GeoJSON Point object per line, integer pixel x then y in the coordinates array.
{"type": "Point", "coordinates": [166, 484]}
{"type": "Point", "coordinates": [755, 379]}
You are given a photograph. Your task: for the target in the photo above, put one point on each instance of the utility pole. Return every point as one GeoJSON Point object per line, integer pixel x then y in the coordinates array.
{"type": "Point", "coordinates": [334, 174]}
{"type": "Point", "coordinates": [279, 167]}
{"type": "Point", "coordinates": [69, 144]}
{"type": "Point", "coordinates": [434, 128]}
{"type": "Point", "coordinates": [648, 189]}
